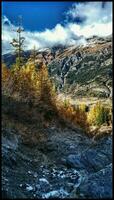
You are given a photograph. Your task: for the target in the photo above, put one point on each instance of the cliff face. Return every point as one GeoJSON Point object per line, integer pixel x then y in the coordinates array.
{"type": "Point", "coordinates": [85, 70]}
{"type": "Point", "coordinates": [79, 71]}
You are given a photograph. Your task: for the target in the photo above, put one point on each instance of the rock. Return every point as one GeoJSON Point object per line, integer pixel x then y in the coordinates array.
{"type": "Point", "coordinates": [97, 185]}
{"type": "Point", "coordinates": [44, 180]}
{"type": "Point", "coordinates": [29, 172]}
{"type": "Point", "coordinates": [74, 161]}
{"type": "Point", "coordinates": [35, 175]}
{"type": "Point", "coordinates": [71, 147]}
{"type": "Point", "coordinates": [29, 188]}
{"type": "Point", "coordinates": [56, 194]}
{"type": "Point", "coordinates": [43, 185]}
{"type": "Point", "coordinates": [94, 158]}
{"type": "Point", "coordinates": [21, 185]}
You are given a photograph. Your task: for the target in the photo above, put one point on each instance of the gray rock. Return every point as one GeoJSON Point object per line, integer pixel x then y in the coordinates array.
{"type": "Point", "coordinates": [56, 194]}
{"type": "Point", "coordinates": [74, 161]}
{"type": "Point", "coordinates": [97, 185]}
{"type": "Point", "coordinates": [43, 185]}
{"type": "Point", "coordinates": [29, 187]}
{"type": "Point", "coordinates": [94, 158]}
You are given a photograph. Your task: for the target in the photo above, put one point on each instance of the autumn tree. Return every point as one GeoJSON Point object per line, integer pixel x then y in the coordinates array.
{"type": "Point", "coordinates": [98, 114]}
{"type": "Point", "coordinates": [33, 56]}
{"type": "Point", "coordinates": [5, 79]}
{"type": "Point", "coordinates": [45, 85]}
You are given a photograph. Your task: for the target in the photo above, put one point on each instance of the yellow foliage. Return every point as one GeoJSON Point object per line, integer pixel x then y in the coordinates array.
{"type": "Point", "coordinates": [6, 79]}
{"type": "Point", "coordinates": [82, 107]}
{"type": "Point", "coordinates": [74, 115]}
{"type": "Point", "coordinates": [29, 83]}
{"type": "Point", "coordinates": [98, 114]}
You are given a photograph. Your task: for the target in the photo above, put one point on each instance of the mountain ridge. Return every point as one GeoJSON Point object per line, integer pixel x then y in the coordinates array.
{"type": "Point", "coordinates": [84, 70]}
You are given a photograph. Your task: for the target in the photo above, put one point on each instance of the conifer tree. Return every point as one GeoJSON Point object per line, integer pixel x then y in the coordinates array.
{"type": "Point", "coordinates": [17, 43]}
{"type": "Point", "coordinates": [46, 87]}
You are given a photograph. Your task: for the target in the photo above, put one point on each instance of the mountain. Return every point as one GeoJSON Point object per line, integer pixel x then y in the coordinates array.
{"type": "Point", "coordinates": [84, 70]}
{"type": "Point", "coordinates": [45, 156]}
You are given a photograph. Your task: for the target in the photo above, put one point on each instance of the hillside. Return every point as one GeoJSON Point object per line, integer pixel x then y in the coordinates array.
{"type": "Point", "coordinates": [78, 71]}
{"type": "Point", "coordinates": [85, 71]}
{"type": "Point", "coordinates": [52, 148]}
{"type": "Point", "coordinates": [50, 160]}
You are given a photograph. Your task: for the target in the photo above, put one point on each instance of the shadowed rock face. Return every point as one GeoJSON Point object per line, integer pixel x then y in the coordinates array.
{"type": "Point", "coordinates": [93, 159]}
{"type": "Point", "coordinates": [97, 185]}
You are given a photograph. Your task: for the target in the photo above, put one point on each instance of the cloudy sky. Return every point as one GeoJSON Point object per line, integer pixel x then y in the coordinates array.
{"type": "Point", "coordinates": [55, 23]}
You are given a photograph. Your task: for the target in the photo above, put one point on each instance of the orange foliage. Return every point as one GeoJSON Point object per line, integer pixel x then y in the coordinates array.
{"type": "Point", "coordinates": [6, 79]}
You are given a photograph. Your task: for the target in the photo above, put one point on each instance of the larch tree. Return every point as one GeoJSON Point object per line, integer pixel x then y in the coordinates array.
{"type": "Point", "coordinates": [46, 87]}
{"type": "Point", "coordinates": [33, 56]}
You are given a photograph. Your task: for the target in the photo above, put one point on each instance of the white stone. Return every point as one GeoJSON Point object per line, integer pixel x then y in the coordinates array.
{"type": "Point", "coordinates": [29, 188]}
{"type": "Point", "coordinates": [43, 180]}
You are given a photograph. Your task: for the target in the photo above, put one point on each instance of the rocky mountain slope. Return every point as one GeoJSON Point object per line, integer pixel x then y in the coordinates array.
{"type": "Point", "coordinates": [79, 71]}
{"type": "Point", "coordinates": [67, 165]}
{"type": "Point", "coordinates": [85, 70]}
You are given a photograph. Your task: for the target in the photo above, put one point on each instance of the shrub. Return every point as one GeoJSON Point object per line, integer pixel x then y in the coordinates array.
{"type": "Point", "coordinates": [75, 115]}
{"type": "Point", "coordinates": [83, 107]}
{"type": "Point", "coordinates": [66, 103]}
{"type": "Point", "coordinates": [80, 118]}
{"type": "Point", "coordinates": [6, 80]}
{"type": "Point", "coordinates": [98, 114]}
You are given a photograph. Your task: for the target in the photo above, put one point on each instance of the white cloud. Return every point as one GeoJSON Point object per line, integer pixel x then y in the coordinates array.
{"type": "Point", "coordinates": [93, 12]}
{"type": "Point", "coordinates": [57, 36]}
{"type": "Point", "coordinates": [90, 30]}
{"type": "Point", "coordinates": [98, 21]}
{"type": "Point", "coordinates": [98, 18]}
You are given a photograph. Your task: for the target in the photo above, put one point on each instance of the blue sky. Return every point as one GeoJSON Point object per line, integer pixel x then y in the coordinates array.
{"type": "Point", "coordinates": [49, 24]}
{"type": "Point", "coordinates": [36, 15]}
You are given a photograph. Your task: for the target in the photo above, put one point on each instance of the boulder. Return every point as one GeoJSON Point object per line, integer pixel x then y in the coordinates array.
{"type": "Point", "coordinates": [97, 185]}
{"type": "Point", "coordinates": [43, 185]}
{"type": "Point", "coordinates": [74, 161]}
{"type": "Point", "coordinates": [56, 194]}
{"type": "Point", "coordinates": [94, 158]}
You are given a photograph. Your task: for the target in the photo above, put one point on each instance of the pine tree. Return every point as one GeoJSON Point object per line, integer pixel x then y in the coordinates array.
{"type": "Point", "coordinates": [17, 43]}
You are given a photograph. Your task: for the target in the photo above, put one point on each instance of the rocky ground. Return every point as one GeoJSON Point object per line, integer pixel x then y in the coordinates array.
{"type": "Point", "coordinates": [66, 164]}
